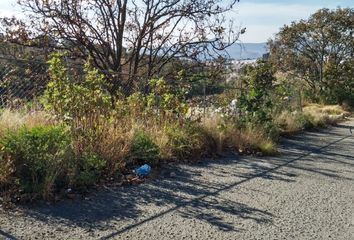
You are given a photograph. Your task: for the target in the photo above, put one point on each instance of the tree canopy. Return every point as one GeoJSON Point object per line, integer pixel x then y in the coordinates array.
{"type": "Point", "coordinates": [320, 51]}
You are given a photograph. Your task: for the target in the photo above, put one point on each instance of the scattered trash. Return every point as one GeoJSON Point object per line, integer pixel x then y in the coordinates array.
{"type": "Point", "coordinates": [69, 193]}
{"type": "Point", "coordinates": [143, 170]}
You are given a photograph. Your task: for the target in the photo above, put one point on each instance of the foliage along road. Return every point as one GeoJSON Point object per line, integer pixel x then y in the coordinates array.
{"type": "Point", "coordinates": [307, 192]}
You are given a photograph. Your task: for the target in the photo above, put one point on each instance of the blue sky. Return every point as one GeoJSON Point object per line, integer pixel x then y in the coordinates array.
{"type": "Point", "coordinates": [262, 18]}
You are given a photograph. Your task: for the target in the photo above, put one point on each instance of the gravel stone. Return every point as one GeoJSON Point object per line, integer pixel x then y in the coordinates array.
{"type": "Point", "coordinates": [307, 192]}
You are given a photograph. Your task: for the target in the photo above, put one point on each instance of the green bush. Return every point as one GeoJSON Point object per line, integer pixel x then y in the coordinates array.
{"type": "Point", "coordinates": [178, 142]}
{"type": "Point", "coordinates": [255, 103]}
{"type": "Point", "coordinates": [81, 101]}
{"type": "Point", "coordinates": [89, 169]}
{"type": "Point", "coordinates": [38, 157]}
{"type": "Point", "coordinates": [165, 100]}
{"type": "Point", "coordinates": [143, 148]}
{"type": "Point", "coordinates": [189, 140]}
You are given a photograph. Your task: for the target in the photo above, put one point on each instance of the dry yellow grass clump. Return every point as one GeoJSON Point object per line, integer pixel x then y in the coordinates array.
{"type": "Point", "coordinates": [251, 140]}
{"type": "Point", "coordinates": [313, 115]}
{"type": "Point", "coordinates": [325, 114]}
{"type": "Point", "coordinates": [11, 120]}
{"type": "Point", "coordinates": [245, 140]}
{"type": "Point", "coordinates": [114, 145]}
{"type": "Point", "coordinates": [328, 109]}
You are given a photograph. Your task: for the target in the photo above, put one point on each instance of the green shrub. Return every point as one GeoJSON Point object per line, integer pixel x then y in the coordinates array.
{"type": "Point", "coordinates": [37, 156]}
{"type": "Point", "coordinates": [167, 101]}
{"type": "Point", "coordinates": [255, 102]}
{"type": "Point", "coordinates": [143, 148]}
{"type": "Point", "coordinates": [89, 170]}
{"type": "Point", "coordinates": [179, 143]}
{"type": "Point", "coordinates": [187, 141]}
{"type": "Point", "coordinates": [136, 105]}
{"type": "Point", "coordinates": [83, 102]}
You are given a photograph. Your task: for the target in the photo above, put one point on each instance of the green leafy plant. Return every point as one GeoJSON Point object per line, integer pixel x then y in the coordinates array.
{"type": "Point", "coordinates": [165, 101]}
{"type": "Point", "coordinates": [143, 148]}
{"type": "Point", "coordinates": [89, 169]}
{"type": "Point", "coordinates": [188, 141]}
{"type": "Point", "coordinates": [255, 102]}
{"type": "Point", "coordinates": [136, 105]}
{"type": "Point", "coordinates": [82, 102]}
{"type": "Point", "coordinates": [37, 156]}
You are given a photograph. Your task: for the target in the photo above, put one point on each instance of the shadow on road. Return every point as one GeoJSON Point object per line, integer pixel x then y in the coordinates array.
{"type": "Point", "coordinates": [7, 236]}
{"type": "Point", "coordinates": [196, 190]}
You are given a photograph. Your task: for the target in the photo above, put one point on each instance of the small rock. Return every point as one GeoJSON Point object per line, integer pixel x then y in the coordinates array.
{"type": "Point", "coordinates": [173, 174]}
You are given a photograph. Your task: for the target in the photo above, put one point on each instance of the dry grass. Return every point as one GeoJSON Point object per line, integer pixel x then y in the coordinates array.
{"type": "Point", "coordinates": [161, 138]}
{"type": "Point", "coordinates": [216, 131]}
{"type": "Point", "coordinates": [324, 115]}
{"type": "Point", "coordinates": [313, 115]}
{"type": "Point", "coordinates": [254, 140]}
{"type": "Point", "coordinates": [325, 109]}
{"type": "Point", "coordinates": [248, 140]}
{"type": "Point", "coordinates": [183, 142]}
{"type": "Point", "coordinates": [11, 120]}
{"type": "Point", "coordinates": [114, 146]}
{"type": "Point", "coordinates": [289, 122]}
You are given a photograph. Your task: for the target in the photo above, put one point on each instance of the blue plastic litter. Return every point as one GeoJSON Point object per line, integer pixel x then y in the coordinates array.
{"type": "Point", "coordinates": [143, 170]}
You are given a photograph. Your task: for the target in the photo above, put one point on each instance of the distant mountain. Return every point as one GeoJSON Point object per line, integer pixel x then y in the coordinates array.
{"type": "Point", "coordinates": [240, 51]}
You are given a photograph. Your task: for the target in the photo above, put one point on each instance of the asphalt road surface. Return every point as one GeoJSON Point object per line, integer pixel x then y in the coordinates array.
{"type": "Point", "coordinates": [307, 192]}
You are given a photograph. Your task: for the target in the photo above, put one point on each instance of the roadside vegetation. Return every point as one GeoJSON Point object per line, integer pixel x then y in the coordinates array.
{"type": "Point", "coordinates": [85, 130]}
{"type": "Point", "coordinates": [79, 139]}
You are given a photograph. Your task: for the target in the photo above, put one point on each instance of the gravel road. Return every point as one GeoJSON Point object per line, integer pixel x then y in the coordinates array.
{"type": "Point", "coordinates": [307, 192]}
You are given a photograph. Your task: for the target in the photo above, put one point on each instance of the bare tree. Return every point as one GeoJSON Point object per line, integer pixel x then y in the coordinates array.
{"type": "Point", "coordinates": [131, 39]}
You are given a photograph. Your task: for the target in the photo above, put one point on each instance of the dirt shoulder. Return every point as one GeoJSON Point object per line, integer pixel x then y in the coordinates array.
{"type": "Point", "coordinates": [307, 192]}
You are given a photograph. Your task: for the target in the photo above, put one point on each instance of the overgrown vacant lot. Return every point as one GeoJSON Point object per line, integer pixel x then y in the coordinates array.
{"type": "Point", "coordinates": [76, 139]}
{"type": "Point", "coordinates": [97, 96]}
{"type": "Point", "coordinates": [42, 158]}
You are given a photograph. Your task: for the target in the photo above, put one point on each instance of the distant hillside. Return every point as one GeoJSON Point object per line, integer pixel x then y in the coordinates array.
{"type": "Point", "coordinates": [247, 50]}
